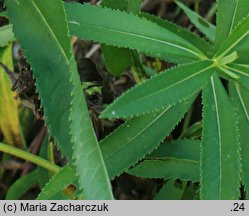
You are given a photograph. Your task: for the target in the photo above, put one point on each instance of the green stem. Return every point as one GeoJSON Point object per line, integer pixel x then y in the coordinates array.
{"type": "Point", "coordinates": [137, 68]}
{"type": "Point", "coordinates": [29, 157]}
{"type": "Point", "coordinates": [197, 3]}
{"type": "Point", "coordinates": [186, 122]}
{"type": "Point", "coordinates": [211, 12]}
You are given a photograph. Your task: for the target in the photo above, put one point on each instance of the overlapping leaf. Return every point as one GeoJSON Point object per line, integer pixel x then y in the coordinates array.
{"type": "Point", "coordinates": [228, 17]}
{"type": "Point", "coordinates": [242, 71]}
{"type": "Point", "coordinates": [170, 165]}
{"type": "Point", "coordinates": [139, 136]}
{"type": "Point", "coordinates": [168, 168]}
{"type": "Point", "coordinates": [128, 144]}
{"type": "Point", "coordinates": [54, 189]}
{"type": "Point", "coordinates": [114, 28]}
{"type": "Point", "coordinates": [208, 29]}
{"type": "Point", "coordinates": [118, 59]}
{"type": "Point", "coordinates": [220, 147]}
{"type": "Point", "coordinates": [185, 148]}
{"type": "Point", "coordinates": [189, 36]}
{"type": "Point", "coordinates": [161, 90]}
{"type": "Point", "coordinates": [54, 68]}
{"type": "Point", "coordinates": [238, 41]}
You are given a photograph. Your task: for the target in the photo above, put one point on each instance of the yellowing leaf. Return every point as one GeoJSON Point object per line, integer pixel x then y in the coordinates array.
{"type": "Point", "coordinates": [9, 123]}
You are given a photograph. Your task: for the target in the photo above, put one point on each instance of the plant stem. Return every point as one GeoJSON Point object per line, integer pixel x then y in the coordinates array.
{"type": "Point", "coordinates": [186, 122]}
{"type": "Point", "coordinates": [29, 157]}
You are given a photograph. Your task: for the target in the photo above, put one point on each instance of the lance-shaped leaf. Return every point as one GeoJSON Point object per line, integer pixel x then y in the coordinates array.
{"type": "Point", "coordinates": [220, 166]}
{"type": "Point", "coordinates": [171, 165]}
{"type": "Point", "coordinates": [6, 35]}
{"type": "Point", "coordinates": [119, 59]}
{"type": "Point", "coordinates": [113, 27]}
{"type": "Point", "coordinates": [21, 186]}
{"type": "Point", "coordinates": [9, 120]}
{"type": "Point", "coordinates": [59, 88]}
{"type": "Point", "coordinates": [54, 188]}
{"type": "Point", "coordinates": [171, 190]}
{"type": "Point", "coordinates": [51, 75]}
{"type": "Point", "coordinates": [207, 28]}
{"type": "Point", "coordinates": [185, 148]}
{"type": "Point", "coordinates": [191, 37]}
{"type": "Point", "coordinates": [161, 90]}
{"type": "Point", "coordinates": [228, 17]}
{"type": "Point", "coordinates": [242, 71]}
{"type": "Point", "coordinates": [238, 42]}
{"type": "Point", "coordinates": [168, 168]}
{"type": "Point", "coordinates": [240, 99]}
{"type": "Point", "coordinates": [126, 145]}
{"type": "Point", "coordinates": [139, 136]}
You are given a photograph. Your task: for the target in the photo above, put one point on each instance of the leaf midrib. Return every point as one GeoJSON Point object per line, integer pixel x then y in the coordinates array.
{"type": "Point", "coordinates": [144, 129]}
{"type": "Point", "coordinates": [233, 45]}
{"type": "Point", "coordinates": [52, 33]}
{"type": "Point", "coordinates": [163, 159]}
{"type": "Point", "coordinates": [242, 101]}
{"type": "Point", "coordinates": [142, 36]}
{"type": "Point", "coordinates": [233, 18]}
{"type": "Point", "coordinates": [175, 84]}
{"type": "Point", "coordinates": [238, 71]}
{"type": "Point", "coordinates": [168, 158]}
{"type": "Point", "coordinates": [219, 132]}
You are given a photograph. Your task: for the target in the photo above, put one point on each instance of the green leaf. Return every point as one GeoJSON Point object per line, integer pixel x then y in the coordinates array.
{"type": "Point", "coordinates": [161, 90]}
{"type": "Point", "coordinates": [87, 156]}
{"type": "Point", "coordinates": [207, 28]}
{"type": "Point", "coordinates": [61, 95]}
{"type": "Point", "coordinates": [184, 148]}
{"type": "Point", "coordinates": [191, 192]}
{"type": "Point", "coordinates": [4, 14]}
{"type": "Point", "coordinates": [168, 168]}
{"type": "Point", "coordinates": [6, 35]}
{"type": "Point", "coordinates": [9, 123]}
{"type": "Point", "coordinates": [21, 186]}
{"type": "Point", "coordinates": [238, 42]}
{"type": "Point", "coordinates": [171, 190]}
{"type": "Point", "coordinates": [132, 6]}
{"type": "Point", "coordinates": [194, 131]}
{"type": "Point", "coordinates": [121, 4]}
{"type": "Point", "coordinates": [139, 136]}
{"type": "Point", "coordinates": [43, 174]}
{"type": "Point", "coordinates": [220, 147]}
{"type": "Point", "coordinates": [119, 59]}
{"type": "Point", "coordinates": [54, 189]}
{"type": "Point", "coordinates": [49, 61]}
{"type": "Point", "coordinates": [240, 99]}
{"type": "Point", "coordinates": [229, 15]}
{"type": "Point", "coordinates": [189, 36]}
{"type": "Point", "coordinates": [180, 160]}
{"type": "Point", "coordinates": [103, 25]}
{"type": "Point", "coordinates": [149, 71]}
{"type": "Point", "coordinates": [242, 71]}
